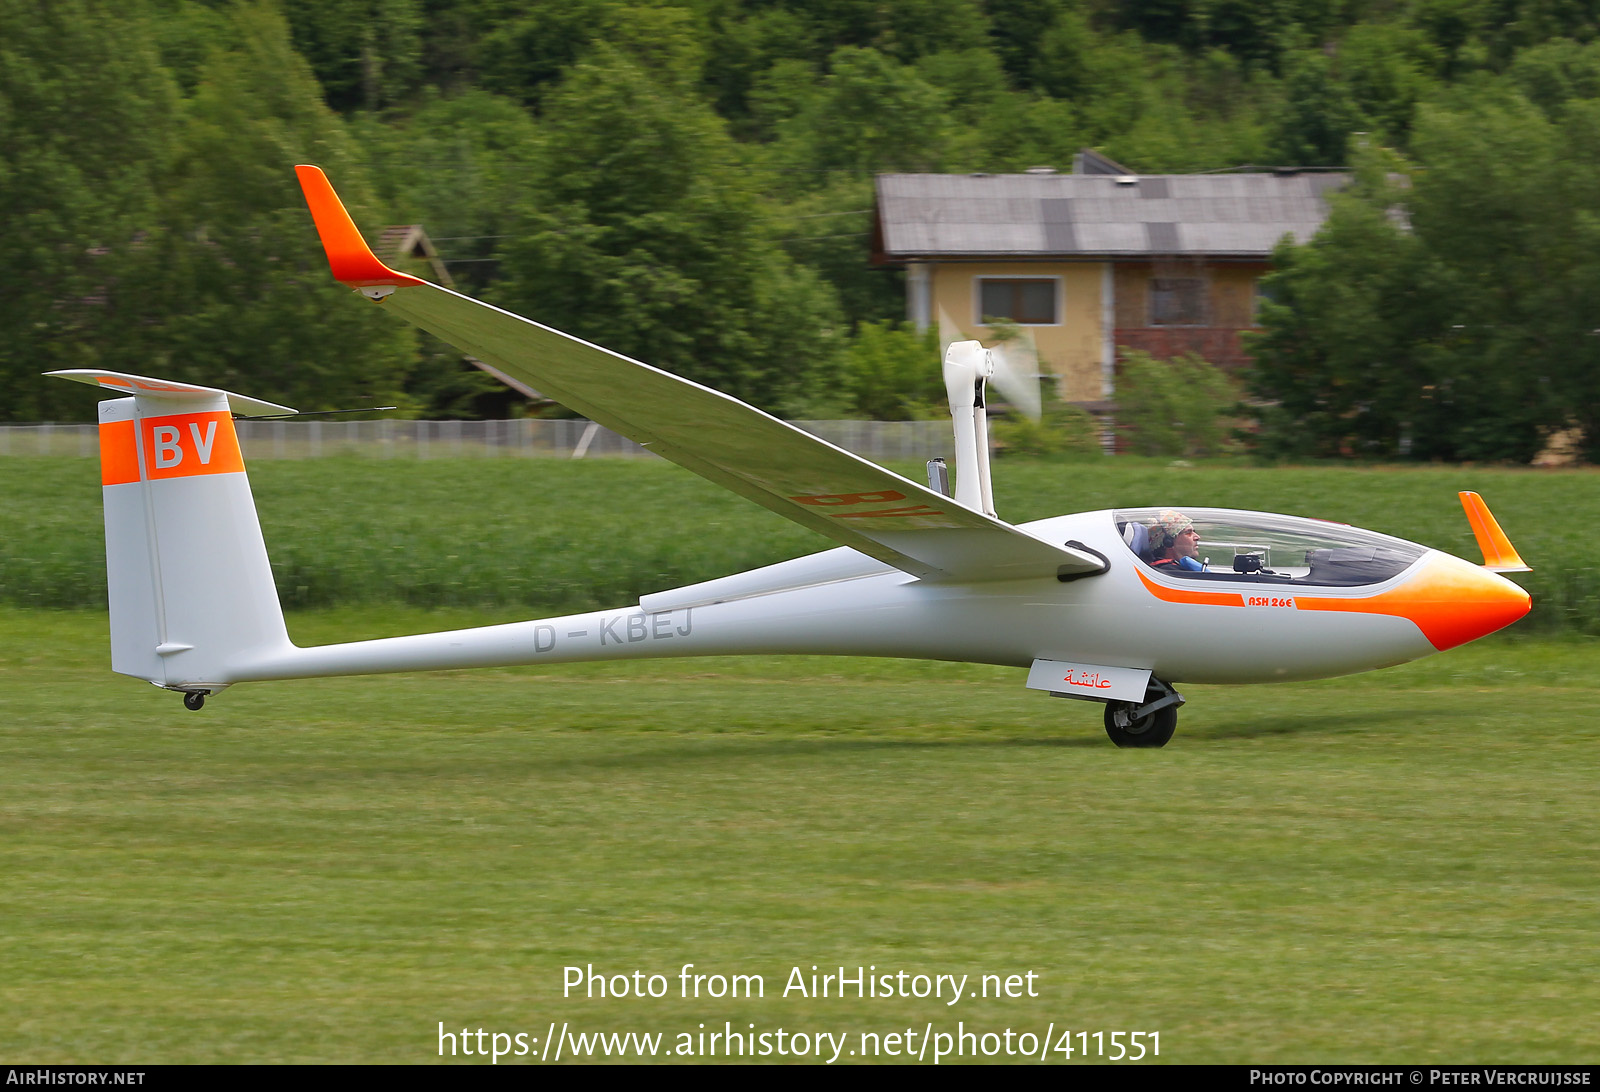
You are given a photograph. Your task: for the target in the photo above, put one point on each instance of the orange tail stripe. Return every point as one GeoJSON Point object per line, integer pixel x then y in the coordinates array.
{"type": "Point", "coordinates": [351, 260]}
{"type": "Point", "coordinates": [186, 444]}
{"type": "Point", "coordinates": [119, 455]}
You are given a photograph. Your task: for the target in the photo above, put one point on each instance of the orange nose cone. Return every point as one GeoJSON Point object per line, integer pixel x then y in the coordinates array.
{"type": "Point", "coordinates": [1454, 601]}
{"type": "Point", "coordinates": [1496, 603]}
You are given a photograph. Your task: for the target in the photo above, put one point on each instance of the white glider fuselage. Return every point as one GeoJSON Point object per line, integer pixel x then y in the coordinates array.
{"type": "Point", "coordinates": [840, 602]}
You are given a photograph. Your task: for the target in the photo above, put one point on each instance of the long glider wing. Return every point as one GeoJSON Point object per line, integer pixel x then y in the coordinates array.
{"type": "Point", "coordinates": [756, 455]}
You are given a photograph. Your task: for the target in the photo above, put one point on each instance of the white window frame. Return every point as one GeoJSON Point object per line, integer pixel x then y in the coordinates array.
{"type": "Point", "coordinates": [1060, 295]}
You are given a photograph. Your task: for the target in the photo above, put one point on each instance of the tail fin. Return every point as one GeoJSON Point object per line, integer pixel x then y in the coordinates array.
{"type": "Point", "coordinates": [1499, 556]}
{"type": "Point", "coordinates": [190, 587]}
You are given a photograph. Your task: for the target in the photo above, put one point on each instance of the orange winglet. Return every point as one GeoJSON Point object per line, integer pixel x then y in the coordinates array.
{"type": "Point", "coordinates": [349, 256]}
{"type": "Point", "coordinates": [1499, 556]}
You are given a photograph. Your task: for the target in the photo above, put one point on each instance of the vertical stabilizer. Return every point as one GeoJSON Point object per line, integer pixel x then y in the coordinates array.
{"type": "Point", "coordinates": [190, 587]}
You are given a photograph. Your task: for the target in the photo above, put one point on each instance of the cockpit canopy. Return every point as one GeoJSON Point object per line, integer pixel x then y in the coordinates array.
{"type": "Point", "coordinates": [1263, 548]}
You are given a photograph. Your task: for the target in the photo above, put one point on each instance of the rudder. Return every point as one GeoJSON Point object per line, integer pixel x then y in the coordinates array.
{"type": "Point", "coordinates": [190, 587]}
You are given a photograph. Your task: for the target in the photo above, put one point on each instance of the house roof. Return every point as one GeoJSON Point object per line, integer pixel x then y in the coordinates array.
{"type": "Point", "coordinates": [1043, 215]}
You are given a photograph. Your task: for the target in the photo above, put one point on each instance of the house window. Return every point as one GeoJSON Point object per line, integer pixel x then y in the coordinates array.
{"type": "Point", "coordinates": [1177, 301]}
{"type": "Point", "coordinates": [1027, 301]}
{"type": "Point", "coordinates": [1263, 291]}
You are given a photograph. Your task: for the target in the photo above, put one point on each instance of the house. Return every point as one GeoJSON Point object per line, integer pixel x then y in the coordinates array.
{"type": "Point", "coordinates": [1094, 262]}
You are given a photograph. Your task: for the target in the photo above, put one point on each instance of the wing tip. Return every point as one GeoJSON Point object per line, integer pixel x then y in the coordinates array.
{"type": "Point", "coordinates": [349, 257]}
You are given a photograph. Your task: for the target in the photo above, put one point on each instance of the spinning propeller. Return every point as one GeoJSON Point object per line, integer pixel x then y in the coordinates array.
{"type": "Point", "coordinates": [1016, 365]}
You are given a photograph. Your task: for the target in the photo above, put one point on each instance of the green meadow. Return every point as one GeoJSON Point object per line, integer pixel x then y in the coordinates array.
{"type": "Point", "coordinates": [1393, 867]}
{"type": "Point", "coordinates": [553, 536]}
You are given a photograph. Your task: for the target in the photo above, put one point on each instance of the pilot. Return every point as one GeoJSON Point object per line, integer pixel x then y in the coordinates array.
{"type": "Point", "coordinates": [1174, 543]}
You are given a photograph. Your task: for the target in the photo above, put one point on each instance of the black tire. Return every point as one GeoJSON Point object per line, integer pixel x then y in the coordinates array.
{"type": "Point", "coordinates": [193, 700]}
{"type": "Point", "coordinates": [1152, 730]}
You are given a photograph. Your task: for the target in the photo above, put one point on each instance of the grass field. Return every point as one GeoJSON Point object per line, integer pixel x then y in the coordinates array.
{"type": "Point", "coordinates": [553, 536]}
{"type": "Point", "coordinates": [1396, 867]}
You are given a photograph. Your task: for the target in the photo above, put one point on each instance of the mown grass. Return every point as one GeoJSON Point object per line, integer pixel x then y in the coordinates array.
{"type": "Point", "coordinates": [554, 535]}
{"type": "Point", "coordinates": [1396, 867]}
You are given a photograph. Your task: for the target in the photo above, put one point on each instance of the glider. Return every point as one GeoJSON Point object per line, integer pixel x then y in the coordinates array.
{"type": "Point", "coordinates": [1091, 604]}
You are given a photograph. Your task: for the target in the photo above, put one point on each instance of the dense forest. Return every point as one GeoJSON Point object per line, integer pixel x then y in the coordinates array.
{"type": "Point", "coordinates": [690, 182]}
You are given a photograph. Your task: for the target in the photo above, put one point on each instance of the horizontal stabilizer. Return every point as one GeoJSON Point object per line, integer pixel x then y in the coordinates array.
{"type": "Point", "coordinates": [168, 391]}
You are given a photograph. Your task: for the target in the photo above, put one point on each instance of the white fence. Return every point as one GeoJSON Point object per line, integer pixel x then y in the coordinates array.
{"type": "Point", "coordinates": [876, 440]}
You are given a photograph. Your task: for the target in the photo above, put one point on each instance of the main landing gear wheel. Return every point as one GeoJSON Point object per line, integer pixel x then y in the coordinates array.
{"type": "Point", "coordinates": [194, 699]}
{"type": "Point", "coordinates": [1154, 728]}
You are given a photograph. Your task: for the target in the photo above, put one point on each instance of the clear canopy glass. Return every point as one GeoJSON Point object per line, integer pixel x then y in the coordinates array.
{"type": "Point", "coordinates": [1261, 547]}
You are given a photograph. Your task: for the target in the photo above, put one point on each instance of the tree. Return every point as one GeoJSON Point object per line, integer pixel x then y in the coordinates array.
{"type": "Point", "coordinates": [1015, 30]}
{"type": "Point", "coordinates": [1450, 25]}
{"type": "Point", "coordinates": [642, 230]}
{"type": "Point", "coordinates": [459, 165]}
{"type": "Point", "coordinates": [1315, 116]}
{"type": "Point", "coordinates": [1552, 74]}
{"type": "Point", "coordinates": [88, 114]}
{"type": "Point", "coordinates": [743, 48]}
{"type": "Point", "coordinates": [1178, 407]}
{"type": "Point", "coordinates": [527, 49]}
{"type": "Point", "coordinates": [365, 53]}
{"type": "Point", "coordinates": [243, 294]}
{"type": "Point", "coordinates": [1510, 207]}
{"type": "Point", "coordinates": [1452, 318]}
{"type": "Point", "coordinates": [870, 114]}
{"type": "Point", "coordinates": [892, 373]}
{"type": "Point", "coordinates": [905, 30]}
{"type": "Point", "coordinates": [1332, 364]}
{"type": "Point", "coordinates": [1388, 71]}
{"type": "Point", "coordinates": [1255, 31]}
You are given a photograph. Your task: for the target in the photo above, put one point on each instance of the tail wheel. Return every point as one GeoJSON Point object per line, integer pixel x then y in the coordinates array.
{"type": "Point", "coordinates": [194, 699]}
{"type": "Point", "coordinates": [1153, 729]}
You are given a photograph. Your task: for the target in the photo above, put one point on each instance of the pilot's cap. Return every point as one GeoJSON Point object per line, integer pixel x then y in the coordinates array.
{"type": "Point", "coordinates": [1168, 526]}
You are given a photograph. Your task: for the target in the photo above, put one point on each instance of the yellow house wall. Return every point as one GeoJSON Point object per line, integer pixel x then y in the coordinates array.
{"type": "Point", "coordinates": [1130, 290]}
{"type": "Point", "coordinates": [1072, 350]}
{"type": "Point", "coordinates": [1233, 294]}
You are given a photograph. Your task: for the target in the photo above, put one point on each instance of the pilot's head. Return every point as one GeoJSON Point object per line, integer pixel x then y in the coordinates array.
{"type": "Point", "coordinates": [1173, 529]}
